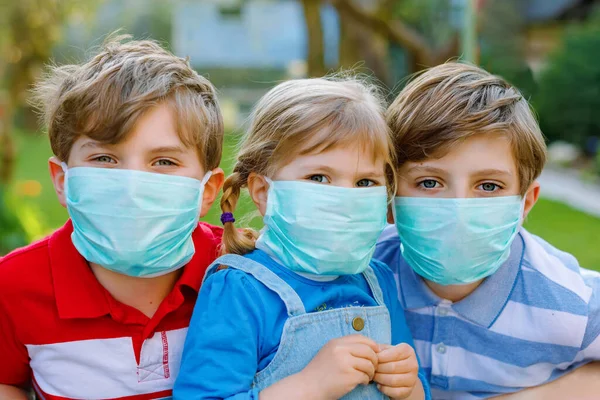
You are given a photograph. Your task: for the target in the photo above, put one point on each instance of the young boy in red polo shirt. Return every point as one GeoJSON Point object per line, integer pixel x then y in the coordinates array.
{"type": "Point", "coordinates": [100, 308]}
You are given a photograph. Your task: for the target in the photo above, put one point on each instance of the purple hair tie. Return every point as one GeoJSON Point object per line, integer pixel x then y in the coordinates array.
{"type": "Point", "coordinates": [227, 217]}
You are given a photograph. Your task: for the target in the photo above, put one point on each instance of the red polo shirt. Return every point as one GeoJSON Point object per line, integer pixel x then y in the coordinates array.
{"type": "Point", "coordinates": [61, 330]}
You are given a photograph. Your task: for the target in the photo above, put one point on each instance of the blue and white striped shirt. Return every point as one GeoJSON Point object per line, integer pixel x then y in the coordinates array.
{"type": "Point", "coordinates": [535, 319]}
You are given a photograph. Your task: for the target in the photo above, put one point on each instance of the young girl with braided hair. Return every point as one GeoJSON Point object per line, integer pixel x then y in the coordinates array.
{"type": "Point", "coordinates": [300, 310]}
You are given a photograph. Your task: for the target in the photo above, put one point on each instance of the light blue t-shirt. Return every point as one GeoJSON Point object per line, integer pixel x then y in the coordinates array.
{"type": "Point", "coordinates": [535, 319]}
{"type": "Point", "coordinates": [238, 322]}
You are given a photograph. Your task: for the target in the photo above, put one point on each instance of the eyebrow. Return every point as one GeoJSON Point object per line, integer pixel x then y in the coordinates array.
{"type": "Point", "coordinates": [320, 168]}
{"type": "Point", "coordinates": [168, 149]}
{"type": "Point", "coordinates": [440, 171]}
{"type": "Point", "coordinates": [94, 145]}
{"type": "Point", "coordinates": [157, 150]}
{"type": "Point", "coordinates": [433, 170]}
{"type": "Point", "coordinates": [329, 170]}
{"type": "Point", "coordinates": [492, 171]}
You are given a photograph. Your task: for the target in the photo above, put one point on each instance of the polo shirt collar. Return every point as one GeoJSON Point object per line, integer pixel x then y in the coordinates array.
{"type": "Point", "coordinates": [206, 251]}
{"type": "Point", "coordinates": [481, 307]}
{"type": "Point", "coordinates": [415, 293]}
{"type": "Point", "coordinates": [78, 293]}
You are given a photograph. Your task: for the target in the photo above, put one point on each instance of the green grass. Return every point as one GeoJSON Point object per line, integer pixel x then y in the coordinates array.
{"type": "Point", "coordinates": [562, 226]}
{"type": "Point", "coordinates": [568, 229]}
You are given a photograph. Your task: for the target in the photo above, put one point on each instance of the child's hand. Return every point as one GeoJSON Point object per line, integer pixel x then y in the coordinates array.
{"type": "Point", "coordinates": [397, 370]}
{"type": "Point", "coordinates": [340, 366]}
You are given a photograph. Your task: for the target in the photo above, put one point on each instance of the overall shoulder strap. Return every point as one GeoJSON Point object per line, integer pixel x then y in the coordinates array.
{"type": "Point", "coordinates": [373, 283]}
{"type": "Point", "coordinates": [265, 276]}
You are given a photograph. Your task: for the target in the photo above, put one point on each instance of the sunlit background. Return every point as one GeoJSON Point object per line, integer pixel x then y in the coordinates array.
{"type": "Point", "coordinates": [550, 49]}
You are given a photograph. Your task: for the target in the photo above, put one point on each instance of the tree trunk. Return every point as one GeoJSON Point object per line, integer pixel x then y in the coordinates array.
{"type": "Point", "coordinates": [421, 54]}
{"type": "Point", "coordinates": [314, 30]}
{"type": "Point", "coordinates": [349, 35]}
{"type": "Point", "coordinates": [361, 49]}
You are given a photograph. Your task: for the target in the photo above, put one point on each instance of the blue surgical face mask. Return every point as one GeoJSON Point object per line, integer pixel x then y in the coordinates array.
{"type": "Point", "coordinates": [457, 241]}
{"type": "Point", "coordinates": [133, 222]}
{"type": "Point", "coordinates": [323, 229]}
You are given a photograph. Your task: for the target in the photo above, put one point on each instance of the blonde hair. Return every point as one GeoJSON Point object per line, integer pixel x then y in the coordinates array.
{"type": "Point", "coordinates": [454, 101]}
{"type": "Point", "coordinates": [300, 117]}
{"type": "Point", "coordinates": [104, 97]}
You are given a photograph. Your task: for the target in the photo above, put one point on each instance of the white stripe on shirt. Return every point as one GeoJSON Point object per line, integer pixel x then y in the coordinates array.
{"type": "Point", "coordinates": [87, 369]}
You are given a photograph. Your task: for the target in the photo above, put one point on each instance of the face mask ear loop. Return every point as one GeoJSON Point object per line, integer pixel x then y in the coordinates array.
{"type": "Point", "coordinates": [206, 178]}
{"type": "Point", "coordinates": [522, 214]}
{"type": "Point", "coordinates": [202, 184]}
{"type": "Point", "coordinates": [65, 169]}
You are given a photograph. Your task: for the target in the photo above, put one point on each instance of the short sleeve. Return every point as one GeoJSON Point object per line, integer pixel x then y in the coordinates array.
{"type": "Point", "coordinates": [221, 352]}
{"type": "Point", "coordinates": [14, 368]}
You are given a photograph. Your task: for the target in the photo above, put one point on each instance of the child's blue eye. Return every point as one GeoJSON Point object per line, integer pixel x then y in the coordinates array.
{"type": "Point", "coordinates": [429, 184]}
{"type": "Point", "coordinates": [365, 183]}
{"type": "Point", "coordinates": [319, 178]}
{"type": "Point", "coordinates": [489, 187]}
{"type": "Point", "coordinates": [104, 159]}
{"type": "Point", "coordinates": [164, 163]}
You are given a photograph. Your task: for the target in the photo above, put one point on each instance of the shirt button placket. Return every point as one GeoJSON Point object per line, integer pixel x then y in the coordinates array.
{"type": "Point", "coordinates": [439, 355]}
{"type": "Point", "coordinates": [441, 348]}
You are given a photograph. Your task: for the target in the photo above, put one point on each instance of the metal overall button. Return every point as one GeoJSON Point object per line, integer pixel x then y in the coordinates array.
{"type": "Point", "coordinates": [358, 324]}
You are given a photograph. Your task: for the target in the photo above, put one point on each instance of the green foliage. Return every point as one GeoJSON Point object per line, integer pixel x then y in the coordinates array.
{"type": "Point", "coordinates": [569, 89]}
{"type": "Point", "coordinates": [12, 233]}
{"type": "Point", "coordinates": [154, 21]}
{"type": "Point", "coordinates": [142, 19]}
{"type": "Point", "coordinates": [28, 31]}
{"type": "Point", "coordinates": [431, 18]}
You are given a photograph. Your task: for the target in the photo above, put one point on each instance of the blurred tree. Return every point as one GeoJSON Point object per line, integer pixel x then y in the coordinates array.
{"type": "Point", "coordinates": [28, 31]}
{"type": "Point", "coordinates": [568, 97]}
{"type": "Point", "coordinates": [502, 39]}
{"type": "Point", "coordinates": [401, 23]}
{"type": "Point", "coordinates": [316, 52]}
{"type": "Point", "coordinates": [362, 49]}
{"type": "Point", "coordinates": [151, 19]}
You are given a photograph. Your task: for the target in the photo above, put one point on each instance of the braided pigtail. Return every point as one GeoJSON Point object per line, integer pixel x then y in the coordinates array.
{"type": "Point", "coordinates": [235, 241]}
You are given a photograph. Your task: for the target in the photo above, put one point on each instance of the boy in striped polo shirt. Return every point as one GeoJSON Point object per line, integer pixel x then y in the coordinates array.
{"type": "Point", "coordinates": [100, 309]}
{"type": "Point", "coordinates": [493, 309]}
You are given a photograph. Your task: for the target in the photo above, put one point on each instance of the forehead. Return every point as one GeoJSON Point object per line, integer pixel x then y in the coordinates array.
{"type": "Point", "coordinates": [476, 153]}
{"type": "Point", "coordinates": [349, 157]}
{"type": "Point", "coordinates": [157, 125]}
{"type": "Point", "coordinates": [156, 128]}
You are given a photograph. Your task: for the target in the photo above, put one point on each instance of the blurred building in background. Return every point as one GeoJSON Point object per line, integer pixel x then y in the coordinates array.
{"type": "Point", "coordinates": [265, 34]}
{"type": "Point", "coordinates": [245, 47]}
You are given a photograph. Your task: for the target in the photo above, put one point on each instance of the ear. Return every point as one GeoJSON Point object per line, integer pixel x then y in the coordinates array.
{"type": "Point", "coordinates": [258, 187]}
{"type": "Point", "coordinates": [58, 179]}
{"type": "Point", "coordinates": [531, 197]}
{"type": "Point", "coordinates": [212, 188]}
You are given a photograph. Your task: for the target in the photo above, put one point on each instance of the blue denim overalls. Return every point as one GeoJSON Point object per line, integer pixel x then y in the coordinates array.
{"type": "Point", "coordinates": [304, 334]}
